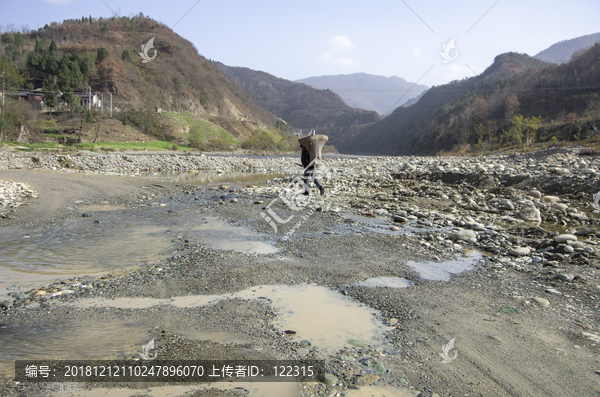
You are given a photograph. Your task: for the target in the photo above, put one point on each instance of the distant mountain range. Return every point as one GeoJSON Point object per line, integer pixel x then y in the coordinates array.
{"type": "Point", "coordinates": [563, 50]}
{"type": "Point", "coordinates": [368, 91]}
{"type": "Point", "coordinates": [486, 112]}
{"type": "Point", "coordinates": [302, 106]}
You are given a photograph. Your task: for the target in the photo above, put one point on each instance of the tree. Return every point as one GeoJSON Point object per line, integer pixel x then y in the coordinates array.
{"type": "Point", "coordinates": [13, 79]}
{"type": "Point", "coordinates": [50, 92]}
{"type": "Point", "coordinates": [19, 40]}
{"type": "Point", "coordinates": [126, 56]}
{"type": "Point", "coordinates": [101, 54]}
{"type": "Point", "coordinates": [6, 39]}
{"type": "Point", "coordinates": [69, 75]}
{"type": "Point", "coordinates": [52, 48]}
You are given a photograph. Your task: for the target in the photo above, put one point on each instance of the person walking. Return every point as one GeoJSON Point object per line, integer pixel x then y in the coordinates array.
{"type": "Point", "coordinates": [309, 173]}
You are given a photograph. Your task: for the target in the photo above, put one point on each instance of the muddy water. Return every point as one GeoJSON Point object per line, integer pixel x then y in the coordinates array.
{"type": "Point", "coordinates": [389, 282]}
{"type": "Point", "coordinates": [324, 317]}
{"type": "Point", "coordinates": [263, 389]}
{"type": "Point", "coordinates": [441, 271]}
{"type": "Point", "coordinates": [67, 339]}
{"type": "Point", "coordinates": [109, 240]}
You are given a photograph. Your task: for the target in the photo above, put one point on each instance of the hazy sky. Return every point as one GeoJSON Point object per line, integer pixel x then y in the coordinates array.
{"type": "Point", "coordinates": [297, 39]}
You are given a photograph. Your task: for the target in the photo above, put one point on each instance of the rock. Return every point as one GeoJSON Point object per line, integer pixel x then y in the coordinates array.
{"type": "Point", "coordinates": [378, 366]}
{"type": "Point", "coordinates": [550, 199]}
{"type": "Point", "coordinates": [393, 321]}
{"type": "Point", "coordinates": [535, 194]}
{"type": "Point", "coordinates": [587, 231]}
{"type": "Point", "coordinates": [327, 379]}
{"type": "Point", "coordinates": [394, 228]}
{"type": "Point", "coordinates": [507, 204]}
{"type": "Point", "coordinates": [463, 235]}
{"type": "Point", "coordinates": [530, 214]}
{"type": "Point", "coordinates": [567, 249]}
{"type": "Point", "coordinates": [366, 379]}
{"type": "Point", "coordinates": [566, 277]}
{"type": "Point", "coordinates": [520, 251]}
{"type": "Point", "coordinates": [542, 301]}
{"type": "Point", "coordinates": [563, 238]}
{"type": "Point", "coordinates": [587, 171]}
{"type": "Point", "coordinates": [560, 206]}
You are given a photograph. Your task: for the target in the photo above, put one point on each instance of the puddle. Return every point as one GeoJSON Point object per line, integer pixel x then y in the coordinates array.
{"type": "Point", "coordinates": [382, 391]}
{"type": "Point", "coordinates": [35, 257]}
{"type": "Point", "coordinates": [67, 340]}
{"type": "Point", "coordinates": [262, 389]}
{"type": "Point", "coordinates": [221, 235]}
{"type": "Point", "coordinates": [441, 271]}
{"type": "Point", "coordinates": [324, 317]}
{"type": "Point", "coordinates": [81, 247]}
{"type": "Point", "coordinates": [204, 177]}
{"type": "Point", "coordinates": [390, 282]}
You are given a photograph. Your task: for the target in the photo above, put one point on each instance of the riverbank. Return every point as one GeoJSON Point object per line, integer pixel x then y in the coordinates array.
{"type": "Point", "coordinates": [523, 317]}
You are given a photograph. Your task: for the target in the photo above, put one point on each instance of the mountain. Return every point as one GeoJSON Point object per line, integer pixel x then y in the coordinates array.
{"type": "Point", "coordinates": [302, 106]}
{"type": "Point", "coordinates": [516, 96]}
{"type": "Point", "coordinates": [563, 50]}
{"type": "Point", "coordinates": [103, 54]}
{"type": "Point", "coordinates": [367, 91]}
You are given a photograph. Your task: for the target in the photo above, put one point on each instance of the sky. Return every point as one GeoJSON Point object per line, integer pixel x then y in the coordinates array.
{"type": "Point", "coordinates": [411, 39]}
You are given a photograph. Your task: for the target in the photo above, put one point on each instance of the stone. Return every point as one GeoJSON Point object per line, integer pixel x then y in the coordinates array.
{"type": "Point", "coordinates": [542, 301]}
{"type": "Point", "coordinates": [535, 194]}
{"type": "Point", "coordinates": [327, 379]}
{"type": "Point", "coordinates": [507, 204]}
{"type": "Point", "coordinates": [567, 249]}
{"type": "Point", "coordinates": [520, 251]}
{"type": "Point", "coordinates": [378, 366]}
{"type": "Point", "coordinates": [463, 235]}
{"type": "Point", "coordinates": [566, 277]}
{"type": "Point", "coordinates": [550, 199]}
{"type": "Point", "coordinates": [530, 214]}
{"type": "Point", "coordinates": [563, 238]}
{"type": "Point", "coordinates": [560, 206]}
{"type": "Point", "coordinates": [366, 379]}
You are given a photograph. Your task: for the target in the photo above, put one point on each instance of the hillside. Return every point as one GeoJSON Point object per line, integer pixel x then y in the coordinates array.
{"type": "Point", "coordinates": [518, 100]}
{"type": "Point", "coordinates": [302, 106]}
{"type": "Point", "coordinates": [103, 54]}
{"type": "Point", "coordinates": [562, 51]}
{"type": "Point", "coordinates": [367, 91]}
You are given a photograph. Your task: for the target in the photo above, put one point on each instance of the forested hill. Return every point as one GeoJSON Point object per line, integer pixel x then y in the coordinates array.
{"type": "Point", "coordinates": [104, 54]}
{"type": "Point", "coordinates": [518, 100]}
{"type": "Point", "coordinates": [302, 106]}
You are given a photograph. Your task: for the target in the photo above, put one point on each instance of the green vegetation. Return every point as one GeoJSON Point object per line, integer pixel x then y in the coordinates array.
{"type": "Point", "coordinates": [152, 145]}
